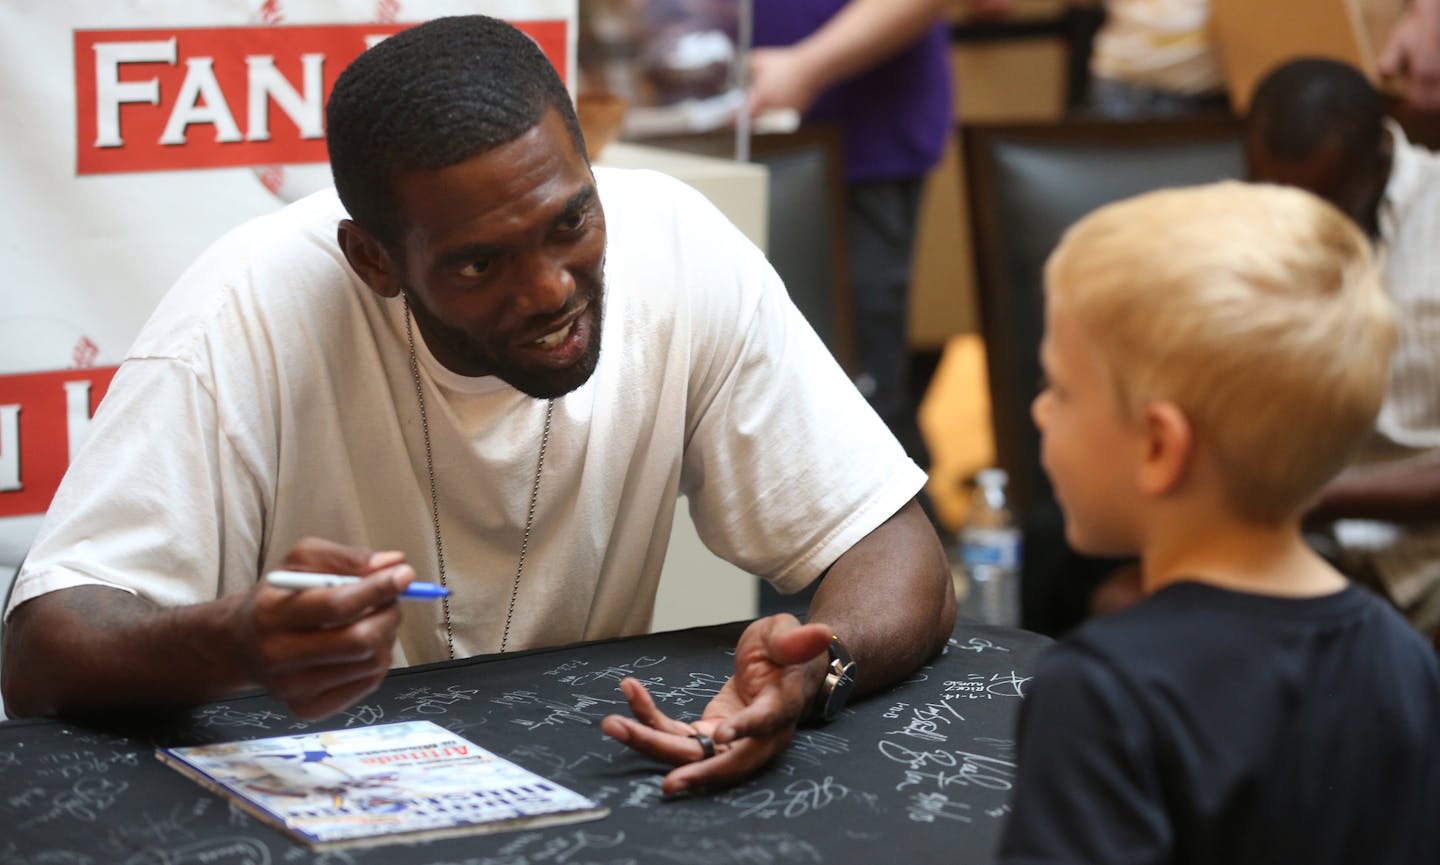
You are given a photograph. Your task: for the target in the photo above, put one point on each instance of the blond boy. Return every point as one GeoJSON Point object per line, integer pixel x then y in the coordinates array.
{"type": "Point", "coordinates": [1213, 356]}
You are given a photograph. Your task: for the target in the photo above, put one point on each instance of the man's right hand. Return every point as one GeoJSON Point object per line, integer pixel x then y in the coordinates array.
{"type": "Point", "coordinates": [97, 650]}
{"type": "Point", "coordinates": [321, 650]}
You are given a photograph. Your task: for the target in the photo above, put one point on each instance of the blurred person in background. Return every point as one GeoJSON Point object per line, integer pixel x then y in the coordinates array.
{"type": "Point", "coordinates": [1321, 125]}
{"type": "Point", "coordinates": [879, 70]}
{"type": "Point", "coordinates": [1153, 59]}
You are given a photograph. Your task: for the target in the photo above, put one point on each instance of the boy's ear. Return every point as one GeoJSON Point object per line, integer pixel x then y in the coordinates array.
{"type": "Point", "coordinates": [1169, 448]}
{"type": "Point", "coordinates": [369, 258]}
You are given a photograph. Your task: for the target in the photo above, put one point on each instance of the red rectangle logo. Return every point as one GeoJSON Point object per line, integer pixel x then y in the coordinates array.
{"type": "Point", "coordinates": [42, 416]}
{"type": "Point", "coordinates": [221, 97]}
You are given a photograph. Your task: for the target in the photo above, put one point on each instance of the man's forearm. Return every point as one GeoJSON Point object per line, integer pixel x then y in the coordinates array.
{"type": "Point", "coordinates": [890, 599]}
{"type": "Point", "coordinates": [1408, 497]}
{"type": "Point", "coordinates": [91, 649]}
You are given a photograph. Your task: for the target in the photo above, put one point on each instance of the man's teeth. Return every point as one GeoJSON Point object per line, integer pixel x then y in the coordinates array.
{"type": "Point", "coordinates": [554, 338]}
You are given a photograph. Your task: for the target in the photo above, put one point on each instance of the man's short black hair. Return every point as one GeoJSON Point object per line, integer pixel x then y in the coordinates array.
{"type": "Point", "coordinates": [1313, 102]}
{"type": "Point", "coordinates": [430, 97]}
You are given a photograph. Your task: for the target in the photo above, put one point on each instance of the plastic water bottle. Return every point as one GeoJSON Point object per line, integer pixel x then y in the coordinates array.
{"type": "Point", "coordinates": [990, 553]}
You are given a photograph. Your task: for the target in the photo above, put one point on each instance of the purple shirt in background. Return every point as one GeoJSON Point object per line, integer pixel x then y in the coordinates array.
{"type": "Point", "coordinates": [894, 117]}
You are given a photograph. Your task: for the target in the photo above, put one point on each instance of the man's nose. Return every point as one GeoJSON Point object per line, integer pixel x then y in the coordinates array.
{"type": "Point", "coordinates": [545, 287]}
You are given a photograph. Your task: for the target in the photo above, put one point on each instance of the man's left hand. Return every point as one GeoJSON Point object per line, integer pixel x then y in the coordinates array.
{"type": "Point", "coordinates": [778, 669]}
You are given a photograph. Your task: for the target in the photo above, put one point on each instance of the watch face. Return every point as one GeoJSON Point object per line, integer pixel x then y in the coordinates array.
{"type": "Point", "coordinates": [840, 682]}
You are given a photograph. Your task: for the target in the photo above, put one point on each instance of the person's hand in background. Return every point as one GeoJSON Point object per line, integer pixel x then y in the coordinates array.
{"type": "Point", "coordinates": [780, 79]}
{"type": "Point", "coordinates": [1412, 54]}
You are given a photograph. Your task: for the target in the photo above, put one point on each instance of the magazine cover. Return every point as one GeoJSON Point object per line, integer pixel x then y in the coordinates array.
{"type": "Point", "coordinates": [381, 784]}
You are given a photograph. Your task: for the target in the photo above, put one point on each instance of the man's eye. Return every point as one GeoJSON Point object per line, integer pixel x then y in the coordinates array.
{"type": "Point", "coordinates": [571, 222]}
{"type": "Point", "coordinates": [478, 267]}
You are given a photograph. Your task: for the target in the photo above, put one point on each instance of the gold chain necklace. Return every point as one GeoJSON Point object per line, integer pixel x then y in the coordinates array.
{"type": "Point", "coordinates": [435, 497]}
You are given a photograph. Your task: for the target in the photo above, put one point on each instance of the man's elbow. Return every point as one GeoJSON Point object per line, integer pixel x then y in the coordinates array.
{"type": "Point", "coordinates": [22, 687]}
{"type": "Point", "coordinates": [949, 606]}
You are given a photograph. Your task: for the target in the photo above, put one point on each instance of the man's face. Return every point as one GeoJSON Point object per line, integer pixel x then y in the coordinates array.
{"type": "Point", "coordinates": [503, 261]}
{"type": "Point", "coordinates": [1087, 446]}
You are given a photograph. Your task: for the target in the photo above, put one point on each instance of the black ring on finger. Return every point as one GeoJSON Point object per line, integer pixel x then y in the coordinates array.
{"type": "Point", "coordinates": [707, 744]}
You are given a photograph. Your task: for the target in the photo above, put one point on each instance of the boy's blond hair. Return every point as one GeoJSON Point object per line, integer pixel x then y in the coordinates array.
{"type": "Point", "coordinates": [1256, 309]}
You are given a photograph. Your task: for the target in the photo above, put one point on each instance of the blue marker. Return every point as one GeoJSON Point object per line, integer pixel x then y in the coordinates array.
{"type": "Point", "coordinates": [416, 591]}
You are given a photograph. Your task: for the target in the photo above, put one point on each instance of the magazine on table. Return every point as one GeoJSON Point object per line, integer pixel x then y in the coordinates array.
{"type": "Point", "coordinates": [386, 783]}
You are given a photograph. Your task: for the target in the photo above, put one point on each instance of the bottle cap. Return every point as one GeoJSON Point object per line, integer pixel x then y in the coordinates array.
{"type": "Point", "coordinates": [992, 477]}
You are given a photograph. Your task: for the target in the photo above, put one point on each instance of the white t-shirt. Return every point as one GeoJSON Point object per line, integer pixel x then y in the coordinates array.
{"type": "Point", "coordinates": [1407, 431]}
{"type": "Point", "coordinates": [270, 398]}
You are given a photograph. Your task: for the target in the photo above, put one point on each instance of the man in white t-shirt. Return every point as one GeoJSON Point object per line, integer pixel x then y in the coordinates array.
{"type": "Point", "coordinates": [417, 381]}
{"type": "Point", "coordinates": [1319, 124]}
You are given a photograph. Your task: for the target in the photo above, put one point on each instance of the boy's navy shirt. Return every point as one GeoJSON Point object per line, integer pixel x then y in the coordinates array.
{"type": "Point", "coordinates": [1208, 726]}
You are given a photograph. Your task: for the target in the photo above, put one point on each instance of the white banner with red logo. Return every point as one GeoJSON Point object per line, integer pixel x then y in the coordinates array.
{"type": "Point", "coordinates": [135, 133]}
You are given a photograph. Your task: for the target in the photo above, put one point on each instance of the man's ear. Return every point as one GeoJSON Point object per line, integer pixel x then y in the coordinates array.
{"type": "Point", "coordinates": [369, 258]}
{"type": "Point", "coordinates": [1169, 448]}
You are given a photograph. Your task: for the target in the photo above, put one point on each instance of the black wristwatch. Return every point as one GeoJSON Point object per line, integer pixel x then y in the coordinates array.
{"type": "Point", "coordinates": [839, 682]}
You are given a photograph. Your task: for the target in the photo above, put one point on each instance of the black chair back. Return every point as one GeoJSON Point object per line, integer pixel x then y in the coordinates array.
{"type": "Point", "coordinates": [1027, 184]}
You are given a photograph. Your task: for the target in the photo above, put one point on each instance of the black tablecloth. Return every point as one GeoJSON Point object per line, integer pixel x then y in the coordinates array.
{"type": "Point", "coordinates": [920, 773]}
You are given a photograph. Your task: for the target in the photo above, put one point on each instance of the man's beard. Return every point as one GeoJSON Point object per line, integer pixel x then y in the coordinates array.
{"type": "Point", "coordinates": [533, 381]}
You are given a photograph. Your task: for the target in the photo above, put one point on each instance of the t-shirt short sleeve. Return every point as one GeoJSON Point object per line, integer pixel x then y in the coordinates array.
{"type": "Point", "coordinates": [786, 466]}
